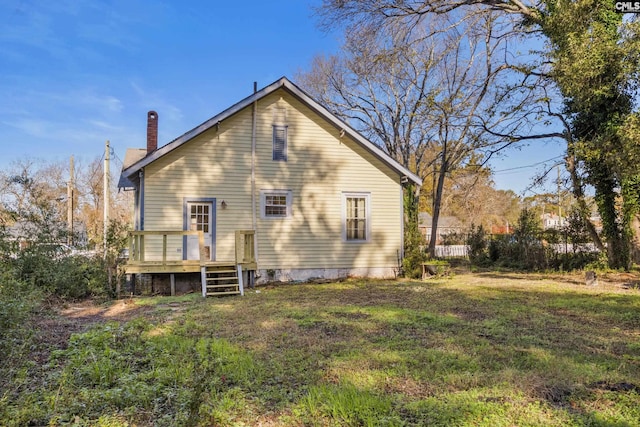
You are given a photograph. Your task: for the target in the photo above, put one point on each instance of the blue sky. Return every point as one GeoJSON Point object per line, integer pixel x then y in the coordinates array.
{"type": "Point", "coordinates": [74, 73]}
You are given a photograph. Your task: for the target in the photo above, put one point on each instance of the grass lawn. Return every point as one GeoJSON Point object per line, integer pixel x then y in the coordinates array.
{"type": "Point", "coordinates": [471, 350]}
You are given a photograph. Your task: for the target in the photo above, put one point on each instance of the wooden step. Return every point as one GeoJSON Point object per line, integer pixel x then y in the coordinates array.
{"type": "Point", "coordinates": [215, 276]}
{"type": "Point", "coordinates": [228, 285]}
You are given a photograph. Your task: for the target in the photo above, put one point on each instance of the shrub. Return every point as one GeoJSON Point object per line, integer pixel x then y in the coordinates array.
{"type": "Point", "coordinates": [528, 248]}
{"type": "Point", "coordinates": [68, 277]}
{"type": "Point", "coordinates": [414, 254]}
{"type": "Point", "coordinates": [477, 241]}
{"type": "Point", "coordinates": [412, 263]}
{"type": "Point", "coordinates": [524, 249]}
{"type": "Point", "coordinates": [17, 300]}
{"type": "Point", "coordinates": [454, 238]}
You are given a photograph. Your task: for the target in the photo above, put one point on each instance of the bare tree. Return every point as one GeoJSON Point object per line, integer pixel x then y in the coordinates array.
{"type": "Point", "coordinates": [380, 85]}
{"type": "Point", "coordinates": [357, 12]}
{"type": "Point", "coordinates": [428, 93]}
{"type": "Point", "coordinates": [591, 55]}
{"type": "Point", "coordinates": [91, 201]}
{"type": "Point", "coordinates": [34, 193]}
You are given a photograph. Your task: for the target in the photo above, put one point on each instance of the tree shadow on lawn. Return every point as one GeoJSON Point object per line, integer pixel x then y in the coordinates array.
{"type": "Point", "coordinates": [564, 345]}
{"type": "Point", "coordinates": [561, 347]}
{"type": "Point", "coordinates": [607, 281]}
{"type": "Point", "coordinates": [573, 278]}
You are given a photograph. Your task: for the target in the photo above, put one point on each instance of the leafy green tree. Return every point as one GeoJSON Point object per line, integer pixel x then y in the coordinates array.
{"type": "Point", "coordinates": [594, 64]}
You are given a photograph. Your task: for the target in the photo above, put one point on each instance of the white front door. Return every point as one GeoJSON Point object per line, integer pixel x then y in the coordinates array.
{"type": "Point", "coordinates": [199, 218]}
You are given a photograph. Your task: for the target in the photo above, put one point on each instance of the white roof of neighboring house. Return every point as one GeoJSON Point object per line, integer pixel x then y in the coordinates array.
{"type": "Point", "coordinates": [424, 220]}
{"type": "Point", "coordinates": [284, 83]}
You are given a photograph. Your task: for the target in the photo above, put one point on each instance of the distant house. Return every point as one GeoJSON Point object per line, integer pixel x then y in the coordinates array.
{"type": "Point", "coordinates": [552, 221]}
{"type": "Point", "coordinates": [501, 229]}
{"type": "Point", "coordinates": [275, 185]}
{"type": "Point", "coordinates": [446, 225]}
{"type": "Point", "coordinates": [24, 233]}
{"type": "Point", "coordinates": [18, 232]}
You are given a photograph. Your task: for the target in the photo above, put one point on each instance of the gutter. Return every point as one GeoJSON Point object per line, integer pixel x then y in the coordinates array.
{"type": "Point", "coordinates": [254, 218]}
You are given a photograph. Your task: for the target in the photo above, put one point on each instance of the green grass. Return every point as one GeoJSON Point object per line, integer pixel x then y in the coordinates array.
{"type": "Point", "coordinates": [472, 350]}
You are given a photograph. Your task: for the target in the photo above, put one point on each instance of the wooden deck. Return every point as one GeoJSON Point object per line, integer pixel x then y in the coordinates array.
{"type": "Point", "coordinates": [177, 266]}
{"type": "Point", "coordinates": [139, 245]}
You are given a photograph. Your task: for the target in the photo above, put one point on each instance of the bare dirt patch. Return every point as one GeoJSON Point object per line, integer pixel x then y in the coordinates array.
{"type": "Point", "coordinates": [120, 311]}
{"type": "Point", "coordinates": [53, 327]}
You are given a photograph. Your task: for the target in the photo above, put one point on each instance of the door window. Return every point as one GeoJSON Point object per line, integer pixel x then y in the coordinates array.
{"type": "Point", "coordinates": [199, 218]}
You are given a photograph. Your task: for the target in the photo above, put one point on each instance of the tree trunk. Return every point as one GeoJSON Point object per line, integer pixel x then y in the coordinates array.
{"type": "Point", "coordinates": [578, 193]}
{"type": "Point", "coordinates": [635, 242]}
{"type": "Point", "coordinates": [617, 242]}
{"type": "Point", "coordinates": [437, 201]}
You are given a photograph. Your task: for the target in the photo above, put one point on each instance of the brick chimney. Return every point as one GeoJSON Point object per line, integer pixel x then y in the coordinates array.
{"type": "Point", "coordinates": [152, 131]}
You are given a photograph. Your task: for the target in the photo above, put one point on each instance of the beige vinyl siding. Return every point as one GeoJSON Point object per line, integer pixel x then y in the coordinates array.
{"type": "Point", "coordinates": [215, 164]}
{"type": "Point", "coordinates": [320, 167]}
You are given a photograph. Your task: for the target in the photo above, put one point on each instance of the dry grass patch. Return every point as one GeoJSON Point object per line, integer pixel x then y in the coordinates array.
{"type": "Point", "coordinates": [484, 349]}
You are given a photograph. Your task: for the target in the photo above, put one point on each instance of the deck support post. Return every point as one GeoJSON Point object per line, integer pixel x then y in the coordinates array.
{"type": "Point", "coordinates": [240, 280]}
{"type": "Point", "coordinates": [244, 266]}
{"type": "Point", "coordinates": [203, 278]}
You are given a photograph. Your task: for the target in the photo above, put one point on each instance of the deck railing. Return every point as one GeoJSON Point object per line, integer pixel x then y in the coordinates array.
{"type": "Point", "coordinates": [245, 247]}
{"type": "Point", "coordinates": [143, 248]}
{"type": "Point", "coordinates": [137, 246]}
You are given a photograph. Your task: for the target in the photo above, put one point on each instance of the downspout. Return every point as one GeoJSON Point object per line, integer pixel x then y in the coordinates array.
{"type": "Point", "coordinates": [254, 218]}
{"type": "Point", "coordinates": [141, 201]}
{"type": "Point", "coordinates": [135, 214]}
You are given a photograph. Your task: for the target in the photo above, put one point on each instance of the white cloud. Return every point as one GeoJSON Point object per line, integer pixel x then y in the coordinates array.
{"type": "Point", "coordinates": [59, 131]}
{"type": "Point", "coordinates": [83, 99]}
{"type": "Point", "coordinates": [113, 104]}
{"type": "Point", "coordinates": [154, 100]}
{"type": "Point", "coordinates": [107, 126]}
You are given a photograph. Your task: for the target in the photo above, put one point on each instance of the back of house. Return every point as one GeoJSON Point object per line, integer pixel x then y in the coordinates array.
{"type": "Point", "coordinates": [317, 199]}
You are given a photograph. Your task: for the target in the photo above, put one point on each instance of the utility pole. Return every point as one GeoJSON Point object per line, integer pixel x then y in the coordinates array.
{"type": "Point", "coordinates": [70, 191]}
{"type": "Point", "coordinates": [107, 153]}
{"type": "Point", "coordinates": [559, 205]}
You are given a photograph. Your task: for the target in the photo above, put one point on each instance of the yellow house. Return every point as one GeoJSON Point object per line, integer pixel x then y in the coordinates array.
{"type": "Point", "coordinates": [276, 186]}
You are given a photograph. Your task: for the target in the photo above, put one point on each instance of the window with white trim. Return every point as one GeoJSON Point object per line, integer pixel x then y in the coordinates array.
{"type": "Point", "coordinates": [280, 143]}
{"type": "Point", "coordinates": [356, 216]}
{"type": "Point", "coordinates": [275, 203]}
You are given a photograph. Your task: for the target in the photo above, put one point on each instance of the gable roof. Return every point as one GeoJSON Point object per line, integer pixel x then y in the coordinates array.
{"type": "Point", "coordinates": [287, 85]}
{"type": "Point", "coordinates": [133, 155]}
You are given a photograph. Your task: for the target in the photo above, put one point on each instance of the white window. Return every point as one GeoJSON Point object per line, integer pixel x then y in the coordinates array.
{"type": "Point", "coordinates": [356, 224]}
{"type": "Point", "coordinates": [275, 203]}
{"type": "Point", "coordinates": [280, 143]}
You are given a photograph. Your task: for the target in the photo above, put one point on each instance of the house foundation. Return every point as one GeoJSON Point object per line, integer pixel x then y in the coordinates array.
{"type": "Point", "coordinates": [306, 274]}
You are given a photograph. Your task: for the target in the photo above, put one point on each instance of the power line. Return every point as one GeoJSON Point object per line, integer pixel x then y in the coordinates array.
{"type": "Point", "coordinates": [116, 157]}
{"type": "Point", "coordinates": [528, 166]}
{"type": "Point", "coordinates": [96, 169]}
